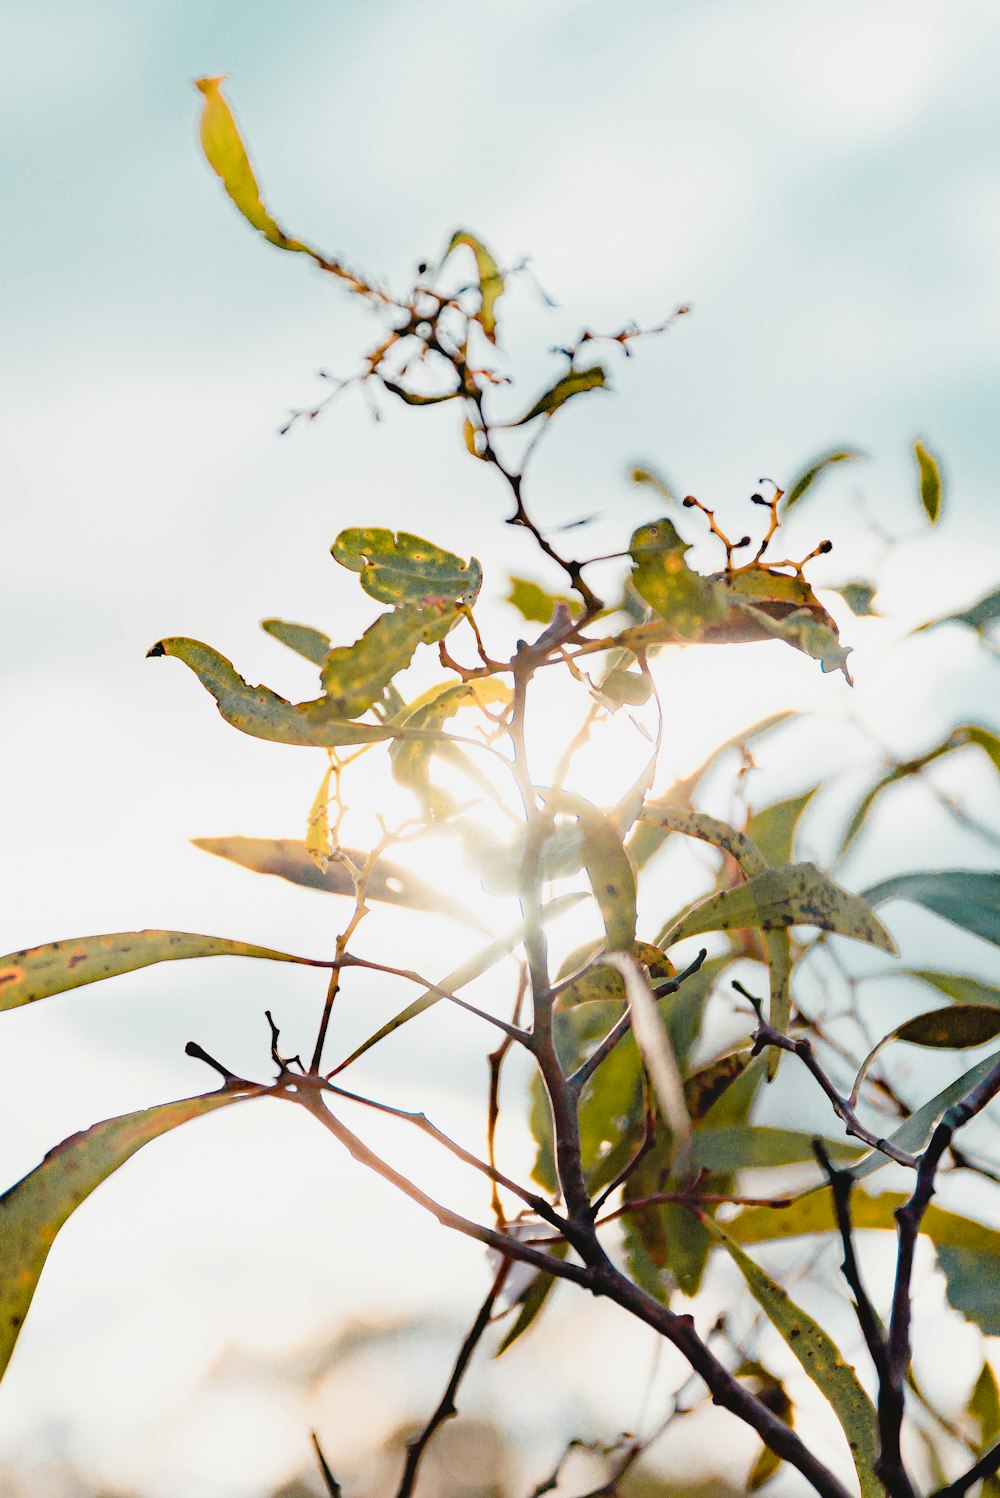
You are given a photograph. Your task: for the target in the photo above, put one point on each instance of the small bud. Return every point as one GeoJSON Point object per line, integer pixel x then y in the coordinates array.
{"type": "Point", "coordinates": [757, 499]}
{"type": "Point", "coordinates": [743, 541]}
{"type": "Point", "coordinates": [824, 547]}
{"type": "Point", "coordinates": [422, 268]}
{"type": "Point", "coordinates": [688, 501]}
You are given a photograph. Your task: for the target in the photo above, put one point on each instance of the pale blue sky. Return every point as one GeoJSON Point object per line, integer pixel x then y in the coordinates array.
{"type": "Point", "coordinates": [821, 182]}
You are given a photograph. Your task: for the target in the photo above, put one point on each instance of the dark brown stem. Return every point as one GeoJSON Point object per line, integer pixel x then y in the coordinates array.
{"type": "Point", "coordinates": [620, 1029]}
{"type": "Point", "coordinates": [447, 1408]}
{"type": "Point", "coordinates": [329, 1481]}
{"type": "Point", "coordinates": [985, 1467]}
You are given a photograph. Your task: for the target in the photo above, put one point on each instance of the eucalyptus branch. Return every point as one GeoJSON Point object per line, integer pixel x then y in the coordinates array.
{"type": "Point", "coordinates": [986, 1466]}
{"type": "Point", "coordinates": [621, 1027]}
{"type": "Point", "coordinates": [447, 1408]}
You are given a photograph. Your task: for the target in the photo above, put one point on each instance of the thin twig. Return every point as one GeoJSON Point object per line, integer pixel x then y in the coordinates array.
{"type": "Point", "coordinates": [447, 1408]}
{"type": "Point", "coordinates": [330, 1482]}
{"type": "Point", "coordinates": [621, 1027]}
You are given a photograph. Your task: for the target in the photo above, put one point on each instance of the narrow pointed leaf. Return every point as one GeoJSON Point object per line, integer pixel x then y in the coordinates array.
{"type": "Point", "coordinates": [958, 986]}
{"type": "Point", "coordinates": [465, 973]}
{"type": "Point", "coordinates": [930, 481]}
{"type": "Point", "coordinates": [288, 858]}
{"type": "Point", "coordinates": [772, 828]}
{"type": "Point", "coordinates": [609, 870]}
{"type": "Point", "coordinates": [821, 1359]}
{"type": "Point", "coordinates": [691, 823]}
{"type": "Point", "coordinates": [577, 382]}
{"type": "Point", "coordinates": [814, 1213]}
{"type": "Point", "coordinates": [812, 472]}
{"type": "Point", "coordinates": [310, 643]}
{"type": "Point", "coordinates": [355, 676]}
{"type": "Point", "coordinates": [760, 1146]}
{"type": "Point", "coordinates": [794, 895]}
{"type": "Point", "coordinates": [967, 897]}
{"type": "Point", "coordinates": [262, 713]}
{"type": "Point", "coordinates": [33, 1211]}
{"type": "Point", "coordinates": [491, 283]}
{"type": "Point", "coordinates": [533, 1301]}
{"type": "Point", "coordinates": [959, 1028]}
{"type": "Point", "coordinates": [56, 967]}
{"type": "Point", "coordinates": [399, 568]}
{"type": "Point", "coordinates": [978, 617]}
{"type": "Point", "coordinates": [227, 156]}
{"type": "Point", "coordinates": [918, 1128]}
{"type": "Point", "coordinates": [659, 1060]}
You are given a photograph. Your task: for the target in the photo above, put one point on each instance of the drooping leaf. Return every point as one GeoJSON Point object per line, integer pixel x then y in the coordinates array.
{"type": "Point", "coordinates": [644, 473]}
{"type": "Point", "coordinates": [491, 283]}
{"type": "Point", "coordinates": [262, 713]}
{"type": "Point", "coordinates": [307, 642]}
{"type": "Point", "coordinates": [411, 759]}
{"type": "Point", "coordinates": [683, 819]}
{"type": "Point", "coordinates": [535, 603]}
{"type": "Point", "coordinates": [978, 617]}
{"type": "Point", "coordinates": [820, 1357]}
{"type": "Point", "coordinates": [958, 986]}
{"type": "Point", "coordinates": [33, 1211]}
{"type": "Point", "coordinates": [287, 858]}
{"type": "Point", "coordinates": [399, 568]}
{"type": "Point", "coordinates": [465, 973]}
{"type": "Point", "coordinates": [914, 1133]}
{"type": "Point", "coordinates": [683, 598]}
{"type": "Point", "coordinates": [659, 1060]}
{"type": "Point", "coordinates": [858, 596]}
{"type": "Point", "coordinates": [318, 839]}
{"type": "Point", "coordinates": [226, 155]}
{"type": "Point", "coordinates": [771, 1392]}
{"type": "Point", "coordinates": [806, 632]}
{"type": "Point", "coordinates": [965, 733]}
{"type": "Point", "coordinates": [533, 1301]}
{"type": "Point", "coordinates": [984, 1408]}
{"type": "Point", "coordinates": [812, 471]}
{"type": "Point", "coordinates": [355, 676]}
{"type": "Point", "coordinates": [609, 870]}
{"type": "Point", "coordinates": [577, 382]}
{"type": "Point", "coordinates": [38, 972]}
{"type": "Point", "coordinates": [814, 1213]}
{"type": "Point", "coordinates": [959, 1028]}
{"type": "Point", "coordinates": [415, 398]}
{"type": "Point", "coordinates": [601, 983]}
{"type": "Point", "coordinates": [772, 828]}
{"type": "Point", "coordinates": [967, 897]}
{"type": "Point", "coordinates": [797, 894]}
{"type": "Point", "coordinates": [930, 481]}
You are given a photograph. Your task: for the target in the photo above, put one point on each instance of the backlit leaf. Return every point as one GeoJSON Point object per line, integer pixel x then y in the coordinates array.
{"type": "Point", "coordinates": [971, 1278]}
{"type": "Point", "coordinates": [967, 897]}
{"type": "Point", "coordinates": [262, 713]}
{"type": "Point", "coordinates": [698, 824]}
{"type": "Point", "coordinates": [226, 155]}
{"type": "Point", "coordinates": [858, 597]}
{"type": "Point", "coordinates": [930, 481]}
{"type": "Point", "coordinates": [794, 895]}
{"type": "Point", "coordinates": [978, 617]}
{"type": "Point", "coordinates": [958, 986]}
{"type": "Point", "coordinates": [532, 1302]}
{"type": "Point", "coordinates": [318, 842]}
{"type": "Point", "coordinates": [287, 858]}
{"type": "Point", "coordinates": [399, 568]}
{"type": "Point", "coordinates": [465, 973]}
{"type": "Point", "coordinates": [600, 983]}
{"type": "Point", "coordinates": [491, 284]}
{"type": "Point", "coordinates": [644, 473]}
{"type": "Point", "coordinates": [821, 1359]}
{"type": "Point", "coordinates": [609, 870]}
{"type": "Point", "coordinates": [535, 603]}
{"type": "Point", "coordinates": [411, 759]}
{"type": "Point", "coordinates": [33, 1211]}
{"type": "Point", "coordinates": [355, 676]}
{"type": "Point", "coordinates": [772, 828]}
{"type": "Point", "coordinates": [38, 972]}
{"type": "Point", "coordinates": [577, 382]}
{"type": "Point", "coordinates": [965, 733]}
{"type": "Point", "coordinates": [659, 1060]}
{"type": "Point", "coordinates": [811, 473]}
{"type": "Point", "coordinates": [310, 643]}
{"type": "Point", "coordinates": [687, 601]}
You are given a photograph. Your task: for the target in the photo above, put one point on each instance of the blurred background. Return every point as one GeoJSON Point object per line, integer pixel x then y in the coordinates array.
{"type": "Point", "coordinates": [822, 185]}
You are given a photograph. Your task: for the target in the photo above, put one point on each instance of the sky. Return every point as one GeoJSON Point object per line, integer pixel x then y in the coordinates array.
{"type": "Point", "coordinates": [820, 183]}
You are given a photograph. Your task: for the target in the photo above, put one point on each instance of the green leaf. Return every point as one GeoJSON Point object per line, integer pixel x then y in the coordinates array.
{"type": "Point", "coordinates": [465, 973]}
{"type": "Point", "coordinates": [858, 596]}
{"type": "Point", "coordinates": [772, 828]}
{"type": "Point", "coordinates": [38, 972]}
{"type": "Point", "coordinates": [794, 895]}
{"type": "Point", "coordinates": [914, 1133]}
{"type": "Point", "coordinates": [609, 870]}
{"type": "Point", "coordinates": [535, 603]}
{"type": "Point", "coordinates": [600, 983]}
{"type": "Point", "coordinates": [226, 155]}
{"type": "Point", "coordinates": [411, 759]}
{"type": "Point", "coordinates": [965, 733]}
{"type": "Point", "coordinates": [970, 733]}
{"type": "Point", "coordinates": [967, 897]}
{"type": "Point", "coordinates": [803, 630]}
{"type": "Point", "coordinates": [698, 824]}
{"type": "Point", "coordinates": [757, 1146]}
{"type": "Point", "coordinates": [686, 600]}
{"type": "Point", "coordinates": [262, 713]}
{"type": "Point", "coordinates": [811, 473]}
{"type": "Point", "coordinates": [814, 1212]}
{"type": "Point", "coordinates": [972, 1286]}
{"type": "Point", "coordinates": [821, 1359]}
{"type": "Point", "coordinates": [491, 282]}
{"type": "Point", "coordinates": [984, 1408]}
{"type": "Point", "coordinates": [959, 1028]}
{"type": "Point", "coordinates": [532, 1301]}
{"type": "Point", "coordinates": [930, 481]}
{"type": "Point", "coordinates": [577, 382]}
{"type": "Point", "coordinates": [33, 1211]}
{"type": "Point", "coordinates": [288, 858]}
{"type": "Point", "coordinates": [958, 986]}
{"type": "Point", "coordinates": [645, 473]}
{"type": "Point", "coordinates": [310, 643]}
{"type": "Point", "coordinates": [400, 568]}
{"type": "Point", "coordinates": [704, 1088]}
{"type": "Point", "coordinates": [978, 617]}
{"type": "Point", "coordinates": [355, 676]}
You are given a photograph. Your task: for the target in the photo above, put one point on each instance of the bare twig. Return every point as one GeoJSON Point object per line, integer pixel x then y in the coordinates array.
{"type": "Point", "coordinates": [620, 1029]}
{"type": "Point", "coordinates": [331, 1484]}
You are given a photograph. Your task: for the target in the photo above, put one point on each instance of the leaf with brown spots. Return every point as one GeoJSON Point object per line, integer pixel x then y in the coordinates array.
{"type": "Point", "coordinates": [33, 1211]}
{"type": "Point", "coordinates": [38, 972]}
{"type": "Point", "coordinates": [609, 869]}
{"type": "Point", "coordinates": [797, 894]}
